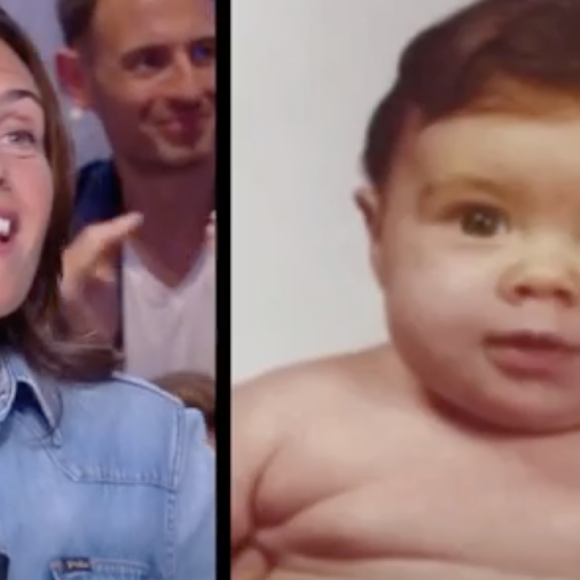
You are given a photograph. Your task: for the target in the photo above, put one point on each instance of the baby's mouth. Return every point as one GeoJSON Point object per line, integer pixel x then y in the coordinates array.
{"type": "Point", "coordinates": [531, 354]}
{"type": "Point", "coordinates": [531, 340]}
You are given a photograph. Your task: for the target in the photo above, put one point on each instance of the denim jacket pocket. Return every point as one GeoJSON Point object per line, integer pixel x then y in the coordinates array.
{"type": "Point", "coordinates": [100, 569]}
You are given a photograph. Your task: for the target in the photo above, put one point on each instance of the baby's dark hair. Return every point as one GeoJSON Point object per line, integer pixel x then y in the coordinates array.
{"type": "Point", "coordinates": [196, 390]}
{"type": "Point", "coordinates": [465, 61]}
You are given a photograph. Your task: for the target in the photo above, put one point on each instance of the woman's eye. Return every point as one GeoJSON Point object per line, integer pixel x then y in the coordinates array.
{"type": "Point", "coordinates": [483, 222]}
{"type": "Point", "coordinates": [22, 139]}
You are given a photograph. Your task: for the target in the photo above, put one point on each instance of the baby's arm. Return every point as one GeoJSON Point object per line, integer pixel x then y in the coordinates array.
{"type": "Point", "coordinates": [427, 570]}
{"type": "Point", "coordinates": [265, 415]}
{"type": "Point", "coordinates": [255, 434]}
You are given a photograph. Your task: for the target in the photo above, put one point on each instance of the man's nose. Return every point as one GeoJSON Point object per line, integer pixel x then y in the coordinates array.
{"type": "Point", "coordinates": [543, 275]}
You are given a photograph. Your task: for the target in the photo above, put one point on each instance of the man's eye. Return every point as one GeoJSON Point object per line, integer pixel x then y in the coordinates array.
{"type": "Point", "coordinates": [147, 60]}
{"type": "Point", "coordinates": [482, 221]}
{"type": "Point", "coordinates": [202, 53]}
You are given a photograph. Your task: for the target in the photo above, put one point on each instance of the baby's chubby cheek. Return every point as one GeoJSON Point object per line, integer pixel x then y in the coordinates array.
{"type": "Point", "coordinates": [442, 292]}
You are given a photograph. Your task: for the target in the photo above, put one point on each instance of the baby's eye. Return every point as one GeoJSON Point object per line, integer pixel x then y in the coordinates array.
{"type": "Point", "coordinates": [482, 221]}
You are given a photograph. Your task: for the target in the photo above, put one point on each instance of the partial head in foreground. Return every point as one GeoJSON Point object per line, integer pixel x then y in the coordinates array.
{"type": "Point", "coordinates": [473, 211]}
{"type": "Point", "coordinates": [35, 193]}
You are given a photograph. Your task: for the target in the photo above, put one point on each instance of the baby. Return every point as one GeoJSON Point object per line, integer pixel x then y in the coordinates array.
{"type": "Point", "coordinates": [454, 452]}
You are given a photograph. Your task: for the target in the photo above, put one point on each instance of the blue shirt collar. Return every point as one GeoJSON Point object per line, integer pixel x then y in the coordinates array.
{"type": "Point", "coordinates": [14, 373]}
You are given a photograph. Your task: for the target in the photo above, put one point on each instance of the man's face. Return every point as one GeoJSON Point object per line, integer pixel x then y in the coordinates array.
{"type": "Point", "coordinates": [478, 252]}
{"type": "Point", "coordinates": [151, 79]}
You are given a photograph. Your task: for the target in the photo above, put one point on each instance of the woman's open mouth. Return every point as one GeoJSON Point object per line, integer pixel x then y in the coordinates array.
{"type": "Point", "coordinates": [6, 229]}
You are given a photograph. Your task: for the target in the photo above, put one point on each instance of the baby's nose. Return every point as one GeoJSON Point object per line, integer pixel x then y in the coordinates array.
{"type": "Point", "coordinates": [554, 277]}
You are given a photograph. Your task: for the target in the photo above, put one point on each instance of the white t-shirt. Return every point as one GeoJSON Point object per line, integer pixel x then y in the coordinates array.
{"type": "Point", "coordinates": [168, 329]}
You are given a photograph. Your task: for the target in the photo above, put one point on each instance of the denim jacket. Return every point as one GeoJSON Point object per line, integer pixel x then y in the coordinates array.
{"type": "Point", "coordinates": [110, 481]}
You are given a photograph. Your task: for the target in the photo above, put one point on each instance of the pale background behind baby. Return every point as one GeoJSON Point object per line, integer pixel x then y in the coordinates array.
{"type": "Point", "coordinates": [306, 75]}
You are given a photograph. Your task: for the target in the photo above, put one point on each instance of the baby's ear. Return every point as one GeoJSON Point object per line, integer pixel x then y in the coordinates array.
{"type": "Point", "coordinates": [368, 203]}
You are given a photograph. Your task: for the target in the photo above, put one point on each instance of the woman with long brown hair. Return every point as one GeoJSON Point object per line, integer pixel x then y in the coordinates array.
{"type": "Point", "coordinates": [102, 475]}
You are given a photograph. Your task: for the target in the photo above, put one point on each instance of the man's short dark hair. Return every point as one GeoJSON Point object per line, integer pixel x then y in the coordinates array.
{"type": "Point", "coordinates": [75, 17]}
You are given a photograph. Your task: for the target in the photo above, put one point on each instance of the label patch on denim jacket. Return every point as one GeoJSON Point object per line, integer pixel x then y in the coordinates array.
{"type": "Point", "coordinates": [70, 565]}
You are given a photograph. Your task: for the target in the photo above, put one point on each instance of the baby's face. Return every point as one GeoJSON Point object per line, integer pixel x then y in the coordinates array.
{"type": "Point", "coordinates": [479, 258]}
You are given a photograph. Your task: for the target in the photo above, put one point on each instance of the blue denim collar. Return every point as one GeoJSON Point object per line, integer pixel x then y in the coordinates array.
{"type": "Point", "coordinates": [15, 371]}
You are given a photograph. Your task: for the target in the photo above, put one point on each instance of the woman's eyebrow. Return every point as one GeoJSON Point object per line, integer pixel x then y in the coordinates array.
{"type": "Point", "coordinates": [13, 95]}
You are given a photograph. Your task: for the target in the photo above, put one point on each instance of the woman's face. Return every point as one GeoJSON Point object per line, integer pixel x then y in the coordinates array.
{"type": "Point", "coordinates": [26, 187]}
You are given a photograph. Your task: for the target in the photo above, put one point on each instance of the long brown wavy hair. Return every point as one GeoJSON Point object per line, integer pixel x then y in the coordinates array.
{"type": "Point", "coordinates": [33, 329]}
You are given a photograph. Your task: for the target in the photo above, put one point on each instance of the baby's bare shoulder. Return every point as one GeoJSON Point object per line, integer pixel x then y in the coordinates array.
{"type": "Point", "coordinates": [308, 391]}
{"type": "Point", "coordinates": [306, 382]}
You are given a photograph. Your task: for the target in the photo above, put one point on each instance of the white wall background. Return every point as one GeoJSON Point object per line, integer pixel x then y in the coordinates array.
{"type": "Point", "coordinates": [306, 75]}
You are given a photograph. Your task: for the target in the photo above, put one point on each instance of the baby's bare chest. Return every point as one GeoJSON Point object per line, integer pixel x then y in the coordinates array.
{"type": "Point", "coordinates": [421, 499]}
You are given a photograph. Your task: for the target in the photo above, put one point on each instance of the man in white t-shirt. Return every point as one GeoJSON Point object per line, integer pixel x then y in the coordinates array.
{"type": "Point", "coordinates": [139, 272]}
